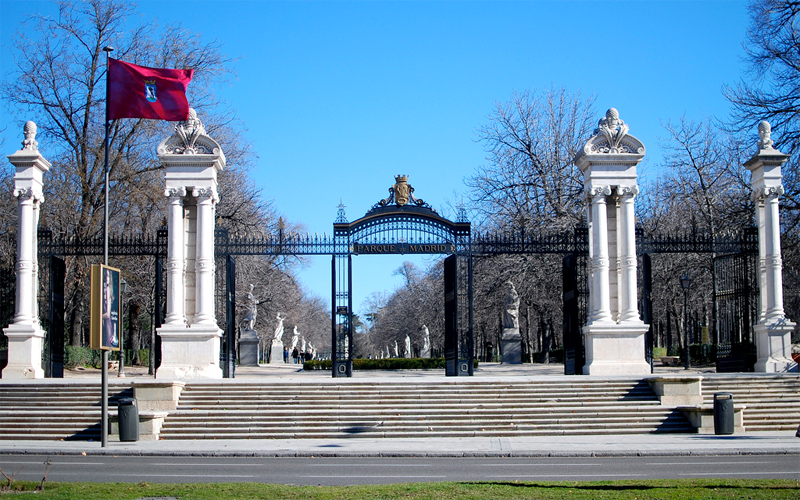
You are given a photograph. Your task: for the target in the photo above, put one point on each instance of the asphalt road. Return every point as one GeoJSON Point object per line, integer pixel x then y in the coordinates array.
{"type": "Point", "coordinates": [352, 471]}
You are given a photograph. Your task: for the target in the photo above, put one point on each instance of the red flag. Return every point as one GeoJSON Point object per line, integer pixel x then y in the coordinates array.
{"type": "Point", "coordinates": [153, 93]}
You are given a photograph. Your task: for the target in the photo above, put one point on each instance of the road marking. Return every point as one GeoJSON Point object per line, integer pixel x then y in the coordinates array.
{"type": "Point", "coordinates": [712, 463]}
{"type": "Point", "coordinates": [371, 477]}
{"type": "Point", "coordinates": [548, 464]}
{"type": "Point", "coordinates": [763, 473]}
{"type": "Point", "coordinates": [52, 462]}
{"type": "Point", "coordinates": [541, 476]}
{"type": "Point", "coordinates": [368, 465]}
{"type": "Point", "coordinates": [191, 464]}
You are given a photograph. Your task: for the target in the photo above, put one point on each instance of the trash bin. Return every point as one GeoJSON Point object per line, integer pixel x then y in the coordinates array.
{"type": "Point", "coordinates": [723, 413]}
{"type": "Point", "coordinates": [128, 414]}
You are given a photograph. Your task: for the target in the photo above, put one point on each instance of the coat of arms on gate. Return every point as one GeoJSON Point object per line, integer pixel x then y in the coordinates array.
{"type": "Point", "coordinates": [401, 194]}
{"type": "Point", "coordinates": [402, 190]}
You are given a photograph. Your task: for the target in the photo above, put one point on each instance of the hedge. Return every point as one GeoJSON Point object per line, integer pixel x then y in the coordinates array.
{"type": "Point", "coordinates": [383, 364]}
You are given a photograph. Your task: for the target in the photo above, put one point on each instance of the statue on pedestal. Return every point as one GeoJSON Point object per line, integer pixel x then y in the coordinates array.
{"type": "Point", "coordinates": [295, 338]}
{"type": "Point", "coordinates": [425, 352]}
{"type": "Point", "coordinates": [247, 325]}
{"type": "Point", "coordinates": [511, 340]}
{"type": "Point", "coordinates": [407, 350]}
{"type": "Point", "coordinates": [279, 328]}
{"type": "Point", "coordinates": [511, 311]}
{"type": "Point", "coordinates": [396, 350]}
{"type": "Point", "coordinates": [248, 338]}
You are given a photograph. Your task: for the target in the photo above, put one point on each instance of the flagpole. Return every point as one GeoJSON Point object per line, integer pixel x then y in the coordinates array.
{"type": "Point", "coordinates": [104, 362]}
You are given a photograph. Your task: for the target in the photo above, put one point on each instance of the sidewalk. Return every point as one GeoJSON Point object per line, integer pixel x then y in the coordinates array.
{"type": "Point", "coordinates": [550, 446]}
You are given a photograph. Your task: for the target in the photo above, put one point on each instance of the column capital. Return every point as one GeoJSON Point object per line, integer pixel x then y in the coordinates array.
{"type": "Point", "coordinates": [205, 193]}
{"type": "Point", "coordinates": [628, 191]}
{"type": "Point", "coordinates": [175, 192]}
{"type": "Point", "coordinates": [598, 192]}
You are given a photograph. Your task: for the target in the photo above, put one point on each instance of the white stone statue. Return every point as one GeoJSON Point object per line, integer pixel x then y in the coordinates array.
{"type": "Point", "coordinates": [295, 338]}
{"type": "Point", "coordinates": [388, 354]}
{"type": "Point", "coordinates": [764, 135]}
{"type": "Point", "coordinates": [30, 143]}
{"type": "Point", "coordinates": [407, 350]}
{"type": "Point", "coordinates": [279, 328]}
{"type": "Point", "coordinates": [303, 344]}
{"type": "Point", "coordinates": [189, 131]}
{"type": "Point", "coordinates": [248, 321]}
{"type": "Point", "coordinates": [396, 350]}
{"type": "Point", "coordinates": [613, 129]}
{"type": "Point", "coordinates": [511, 310]}
{"type": "Point", "coordinates": [425, 352]}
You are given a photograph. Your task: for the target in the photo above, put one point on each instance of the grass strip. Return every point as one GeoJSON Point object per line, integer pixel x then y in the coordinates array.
{"type": "Point", "coordinates": [665, 489]}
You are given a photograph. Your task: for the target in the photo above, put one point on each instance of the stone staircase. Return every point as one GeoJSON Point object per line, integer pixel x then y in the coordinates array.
{"type": "Point", "coordinates": [772, 401]}
{"type": "Point", "coordinates": [252, 410]}
{"type": "Point", "coordinates": [55, 411]}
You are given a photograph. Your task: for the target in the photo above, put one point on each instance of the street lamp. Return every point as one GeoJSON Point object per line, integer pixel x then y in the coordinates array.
{"type": "Point", "coordinates": [122, 287]}
{"type": "Point", "coordinates": [686, 283]}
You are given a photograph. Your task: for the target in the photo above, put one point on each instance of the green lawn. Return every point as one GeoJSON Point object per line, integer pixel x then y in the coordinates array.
{"type": "Point", "coordinates": [640, 490]}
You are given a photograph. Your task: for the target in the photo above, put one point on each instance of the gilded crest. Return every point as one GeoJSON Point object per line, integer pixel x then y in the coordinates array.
{"type": "Point", "coordinates": [150, 90]}
{"type": "Point", "coordinates": [401, 190]}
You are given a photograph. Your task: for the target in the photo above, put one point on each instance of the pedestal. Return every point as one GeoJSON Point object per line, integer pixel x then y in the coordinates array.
{"type": "Point", "coordinates": [24, 352]}
{"type": "Point", "coordinates": [614, 349]}
{"type": "Point", "coordinates": [774, 347]}
{"type": "Point", "coordinates": [189, 353]}
{"type": "Point", "coordinates": [276, 353]}
{"type": "Point", "coordinates": [248, 349]}
{"type": "Point", "coordinates": [511, 342]}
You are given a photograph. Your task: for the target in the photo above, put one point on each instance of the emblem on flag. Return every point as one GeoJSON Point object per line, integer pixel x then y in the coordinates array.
{"type": "Point", "coordinates": [150, 90]}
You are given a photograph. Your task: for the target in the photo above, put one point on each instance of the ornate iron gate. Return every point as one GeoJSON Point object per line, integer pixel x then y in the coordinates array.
{"type": "Point", "coordinates": [403, 224]}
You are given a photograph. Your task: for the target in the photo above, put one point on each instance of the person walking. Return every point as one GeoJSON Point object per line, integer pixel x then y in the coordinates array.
{"type": "Point", "coordinates": [295, 354]}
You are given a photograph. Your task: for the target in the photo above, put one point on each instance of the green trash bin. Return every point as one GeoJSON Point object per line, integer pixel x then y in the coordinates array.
{"type": "Point", "coordinates": [128, 415]}
{"type": "Point", "coordinates": [723, 413]}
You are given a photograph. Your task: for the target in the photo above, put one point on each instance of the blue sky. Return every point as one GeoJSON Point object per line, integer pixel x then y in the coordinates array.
{"type": "Point", "coordinates": [339, 97]}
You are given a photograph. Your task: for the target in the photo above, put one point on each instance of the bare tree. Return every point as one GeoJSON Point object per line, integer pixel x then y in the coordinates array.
{"type": "Point", "coordinates": [529, 179]}
{"type": "Point", "coordinates": [770, 90]}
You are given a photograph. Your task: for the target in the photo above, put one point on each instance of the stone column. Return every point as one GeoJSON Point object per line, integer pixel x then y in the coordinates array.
{"type": "Point", "coordinates": [190, 339]}
{"type": "Point", "coordinates": [599, 256]}
{"type": "Point", "coordinates": [614, 333]}
{"type": "Point", "coordinates": [25, 335]}
{"type": "Point", "coordinates": [762, 257]}
{"type": "Point", "coordinates": [204, 259]}
{"type": "Point", "coordinates": [628, 296]}
{"type": "Point", "coordinates": [773, 330]}
{"type": "Point", "coordinates": [176, 261]}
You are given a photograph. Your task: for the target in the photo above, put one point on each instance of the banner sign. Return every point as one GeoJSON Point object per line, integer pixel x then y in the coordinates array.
{"type": "Point", "coordinates": [403, 248]}
{"type": "Point", "coordinates": [105, 323]}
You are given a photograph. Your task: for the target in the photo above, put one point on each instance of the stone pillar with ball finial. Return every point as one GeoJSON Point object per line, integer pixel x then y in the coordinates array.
{"type": "Point", "coordinates": [25, 335]}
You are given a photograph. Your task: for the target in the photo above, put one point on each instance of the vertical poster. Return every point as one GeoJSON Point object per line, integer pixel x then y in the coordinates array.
{"type": "Point", "coordinates": [105, 322]}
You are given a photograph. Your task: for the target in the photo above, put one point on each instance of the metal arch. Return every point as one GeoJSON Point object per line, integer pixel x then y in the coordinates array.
{"type": "Point", "coordinates": [398, 228]}
{"type": "Point", "coordinates": [402, 224]}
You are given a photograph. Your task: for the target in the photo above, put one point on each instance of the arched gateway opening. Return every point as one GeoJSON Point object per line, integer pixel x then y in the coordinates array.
{"type": "Point", "coordinates": [403, 224]}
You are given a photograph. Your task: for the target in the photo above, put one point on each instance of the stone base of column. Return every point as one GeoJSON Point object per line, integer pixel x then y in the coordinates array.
{"type": "Point", "coordinates": [276, 353]}
{"type": "Point", "coordinates": [511, 345]}
{"type": "Point", "coordinates": [189, 353]}
{"type": "Point", "coordinates": [25, 344]}
{"type": "Point", "coordinates": [774, 347]}
{"type": "Point", "coordinates": [615, 349]}
{"type": "Point", "coordinates": [248, 350]}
